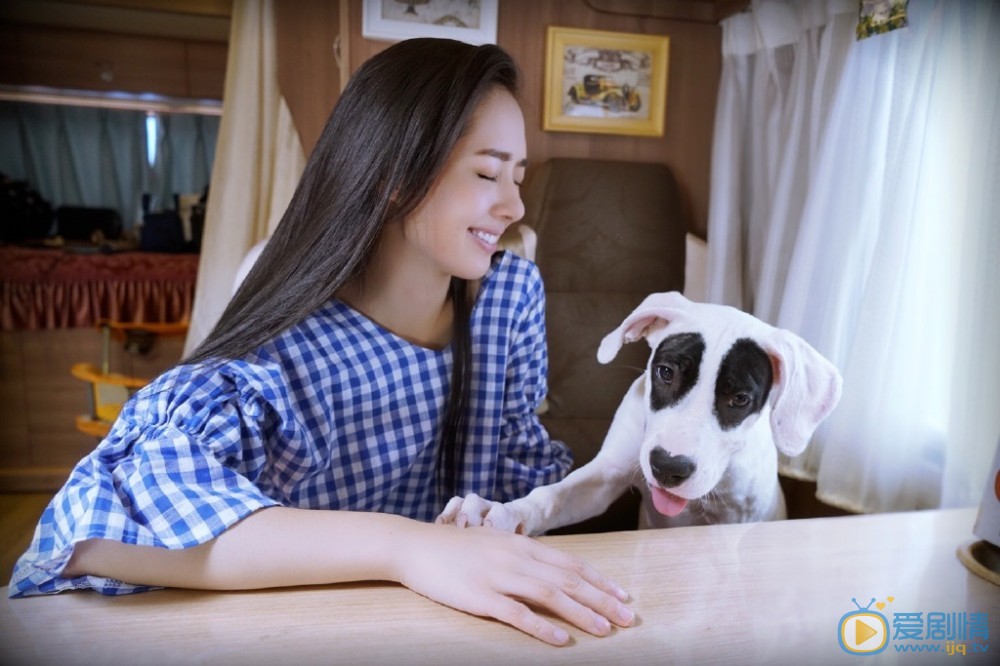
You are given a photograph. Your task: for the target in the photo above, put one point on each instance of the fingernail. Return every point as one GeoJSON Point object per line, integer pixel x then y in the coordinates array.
{"type": "Point", "coordinates": [621, 594]}
{"type": "Point", "coordinates": [462, 521]}
{"type": "Point", "coordinates": [625, 615]}
{"type": "Point", "coordinates": [602, 624]}
{"type": "Point", "coordinates": [560, 635]}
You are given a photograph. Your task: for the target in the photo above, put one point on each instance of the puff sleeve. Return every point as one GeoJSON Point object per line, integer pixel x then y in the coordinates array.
{"type": "Point", "coordinates": [176, 470]}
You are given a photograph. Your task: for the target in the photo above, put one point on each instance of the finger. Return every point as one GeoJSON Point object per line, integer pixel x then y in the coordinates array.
{"type": "Point", "coordinates": [548, 595]}
{"type": "Point", "coordinates": [580, 566]}
{"type": "Point", "coordinates": [519, 616]}
{"type": "Point", "coordinates": [600, 601]}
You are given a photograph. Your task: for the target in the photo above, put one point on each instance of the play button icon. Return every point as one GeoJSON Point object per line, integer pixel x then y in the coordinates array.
{"type": "Point", "coordinates": [863, 632]}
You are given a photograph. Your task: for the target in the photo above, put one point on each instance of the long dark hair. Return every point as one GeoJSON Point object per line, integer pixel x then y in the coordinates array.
{"type": "Point", "coordinates": [383, 146]}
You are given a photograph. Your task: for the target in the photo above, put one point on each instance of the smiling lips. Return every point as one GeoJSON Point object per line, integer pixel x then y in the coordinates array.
{"type": "Point", "coordinates": [486, 237]}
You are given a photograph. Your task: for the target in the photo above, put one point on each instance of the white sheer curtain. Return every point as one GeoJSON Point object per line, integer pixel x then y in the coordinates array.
{"type": "Point", "coordinates": [258, 162]}
{"type": "Point", "coordinates": [855, 190]}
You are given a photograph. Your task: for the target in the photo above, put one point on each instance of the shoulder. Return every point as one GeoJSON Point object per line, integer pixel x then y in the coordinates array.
{"type": "Point", "coordinates": [193, 393]}
{"type": "Point", "coordinates": [329, 330]}
{"type": "Point", "coordinates": [511, 299]}
{"type": "Point", "coordinates": [512, 277]}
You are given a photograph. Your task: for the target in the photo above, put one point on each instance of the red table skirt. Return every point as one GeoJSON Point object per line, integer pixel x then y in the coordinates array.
{"type": "Point", "coordinates": [50, 288]}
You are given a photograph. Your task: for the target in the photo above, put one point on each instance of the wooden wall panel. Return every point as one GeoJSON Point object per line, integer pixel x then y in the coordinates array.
{"type": "Point", "coordinates": [14, 447]}
{"type": "Point", "coordinates": [66, 58]}
{"type": "Point", "coordinates": [39, 443]}
{"type": "Point", "coordinates": [205, 64]}
{"type": "Point", "coordinates": [308, 73]}
{"type": "Point", "coordinates": [693, 79]}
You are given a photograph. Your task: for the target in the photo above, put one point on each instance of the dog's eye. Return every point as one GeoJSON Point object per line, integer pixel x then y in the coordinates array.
{"type": "Point", "coordinates": [740, 400]}
{"type": "Point", "coordinates": [665, 373]}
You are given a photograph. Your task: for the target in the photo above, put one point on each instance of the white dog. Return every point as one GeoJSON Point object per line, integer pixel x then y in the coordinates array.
{"type": "Point", "coordinates": [721, 391]}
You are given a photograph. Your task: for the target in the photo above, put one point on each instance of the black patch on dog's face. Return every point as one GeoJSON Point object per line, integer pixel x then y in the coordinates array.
{"type": "Point", "coordinates": [674, 368]}
{"type": "Point", "coordinates": [743, 384]}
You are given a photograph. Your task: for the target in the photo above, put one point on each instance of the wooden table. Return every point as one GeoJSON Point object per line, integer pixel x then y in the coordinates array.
{"type": "Point", "coordinates": [771, 593]}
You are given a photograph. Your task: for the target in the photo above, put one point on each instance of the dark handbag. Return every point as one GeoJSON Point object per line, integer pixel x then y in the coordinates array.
{"type": "Point", "coordinates": [24, 214]}
{"type": "Point", "coordinates": [162, 232]}
{"type": "Point", "coordinates": [80, 223]}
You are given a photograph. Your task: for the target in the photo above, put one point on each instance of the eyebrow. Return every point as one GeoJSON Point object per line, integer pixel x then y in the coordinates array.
{"type": "Point", "coordinates": [501, 155]}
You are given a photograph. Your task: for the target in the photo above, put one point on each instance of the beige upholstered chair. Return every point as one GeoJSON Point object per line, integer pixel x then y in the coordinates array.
{"type": "Point", "coordinates": [609, 234]}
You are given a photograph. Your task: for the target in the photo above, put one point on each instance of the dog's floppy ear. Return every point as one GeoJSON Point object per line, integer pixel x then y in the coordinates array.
{"type": "Point", "coordinates": [806, 388]}
{"type": "Point", "coordinates": [655, 309]}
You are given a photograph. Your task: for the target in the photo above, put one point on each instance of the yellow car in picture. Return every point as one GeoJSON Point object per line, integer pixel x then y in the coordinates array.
{"type": "Point", "coordinates": [598, 90]}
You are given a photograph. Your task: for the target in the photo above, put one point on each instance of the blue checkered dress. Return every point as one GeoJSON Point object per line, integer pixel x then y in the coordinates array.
{"type": "Point", "coordinates": [335, 413]}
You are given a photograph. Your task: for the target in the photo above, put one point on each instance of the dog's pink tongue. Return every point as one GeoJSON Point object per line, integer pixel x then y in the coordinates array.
{"type": "Point", "coordinates": [667, 503]}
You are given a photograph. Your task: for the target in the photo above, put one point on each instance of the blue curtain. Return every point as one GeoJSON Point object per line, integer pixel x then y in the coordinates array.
{"type": "Point", "coordinates": [83, 156]}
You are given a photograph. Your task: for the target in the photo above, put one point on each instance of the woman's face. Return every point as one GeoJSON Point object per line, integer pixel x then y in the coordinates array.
{"type": "Point", "coordinates": [477, 196]}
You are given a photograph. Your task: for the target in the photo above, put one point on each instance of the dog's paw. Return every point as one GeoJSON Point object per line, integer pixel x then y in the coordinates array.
{"type": "Point", "coordinates": [474, 511]}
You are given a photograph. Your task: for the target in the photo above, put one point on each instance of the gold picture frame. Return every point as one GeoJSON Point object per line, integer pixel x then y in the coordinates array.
{"type": "Point", "coordinates": [605, 82]}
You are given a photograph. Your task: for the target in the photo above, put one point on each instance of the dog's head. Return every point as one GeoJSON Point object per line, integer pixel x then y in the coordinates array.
{"type": "Point", "coordinates": [718, 380]}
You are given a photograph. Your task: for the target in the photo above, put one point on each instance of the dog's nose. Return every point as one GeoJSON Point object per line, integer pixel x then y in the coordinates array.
{"type": "Point", "coordinates": [668, 470]}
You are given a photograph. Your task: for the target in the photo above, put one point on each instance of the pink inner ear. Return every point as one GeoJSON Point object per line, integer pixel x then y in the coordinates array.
{"type": "Point", "coordinates": [637, 328]}
{"type": "Point", "coordinates": [644, 327]}
{"type": "Point", "coordinates": [775, 369]}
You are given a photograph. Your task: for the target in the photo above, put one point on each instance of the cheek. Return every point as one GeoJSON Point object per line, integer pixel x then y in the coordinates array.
{"type": "Point", "coordinates": [422, 228]}
{"type": "Point", "coordinates": [440, 217]}
{"type": "Point", "coordinates": [416, 230]}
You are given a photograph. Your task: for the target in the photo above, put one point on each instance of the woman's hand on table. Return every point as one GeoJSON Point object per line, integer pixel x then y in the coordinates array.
{"type": "Point", "coordinates": [505, 576]}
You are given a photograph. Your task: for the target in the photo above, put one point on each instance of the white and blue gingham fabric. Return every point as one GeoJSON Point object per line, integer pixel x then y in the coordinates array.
{"type": "Point", "coordinates": [335, 413]}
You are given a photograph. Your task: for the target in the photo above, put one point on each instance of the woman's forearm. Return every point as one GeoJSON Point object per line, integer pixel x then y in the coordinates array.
{"type": "Point", "coordinates": [274, 547]}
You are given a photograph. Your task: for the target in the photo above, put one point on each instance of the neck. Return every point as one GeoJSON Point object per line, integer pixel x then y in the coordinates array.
{"type": "Point", "coordinates": [402, 293]}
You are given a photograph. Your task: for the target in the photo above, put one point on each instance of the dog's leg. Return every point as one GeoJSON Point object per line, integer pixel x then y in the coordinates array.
{"type": "Point", "coordinates": [585, 493]}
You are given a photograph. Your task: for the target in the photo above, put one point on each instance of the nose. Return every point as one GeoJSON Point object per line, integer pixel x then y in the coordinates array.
{"type": "Point", "coordinates": [510, 208]}
{"type": "Point", "coordinates": [669, 470]}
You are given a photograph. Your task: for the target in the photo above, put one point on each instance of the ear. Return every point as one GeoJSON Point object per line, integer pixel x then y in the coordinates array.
{"type": "Point", "coordinates": [653, 313]}
{"type": "Point", "coordinates": [806, 388]}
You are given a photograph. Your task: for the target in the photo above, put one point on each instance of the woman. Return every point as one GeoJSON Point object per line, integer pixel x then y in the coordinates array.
{"type": "Point", "coordinates": [379, 358]}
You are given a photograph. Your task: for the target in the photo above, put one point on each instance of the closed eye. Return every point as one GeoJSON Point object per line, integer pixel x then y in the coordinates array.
{"type": "Point", "coordinates": [496, 179]}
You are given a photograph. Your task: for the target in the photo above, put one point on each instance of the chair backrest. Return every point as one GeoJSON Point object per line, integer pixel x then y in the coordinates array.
{"type": "Point", "coordinates": [609, 234]}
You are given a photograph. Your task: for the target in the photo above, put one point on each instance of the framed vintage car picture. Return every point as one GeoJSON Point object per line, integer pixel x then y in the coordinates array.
{"type": "Point", "coordinates": [605, 82]}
